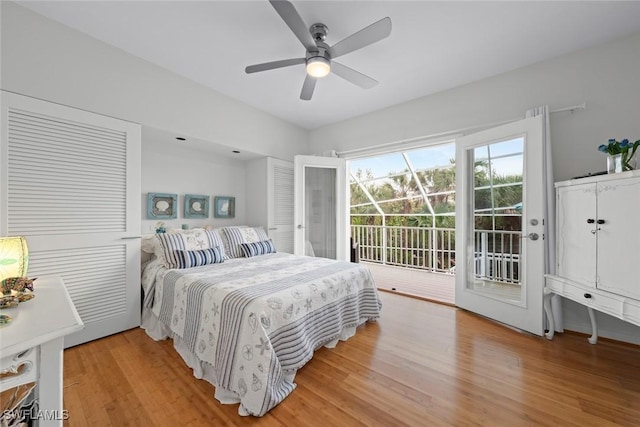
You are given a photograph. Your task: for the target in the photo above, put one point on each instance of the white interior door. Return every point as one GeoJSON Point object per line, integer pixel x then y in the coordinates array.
{"type": "Point", "coordinates": [321, 207]}
{"type": "Point", "coordinates": [71, 185]}
{"type": "Point", "coordinates": [499, 239]}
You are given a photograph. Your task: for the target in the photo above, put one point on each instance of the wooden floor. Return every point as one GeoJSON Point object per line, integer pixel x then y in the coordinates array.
{"type": "Point", "coordinates": [421, 364]}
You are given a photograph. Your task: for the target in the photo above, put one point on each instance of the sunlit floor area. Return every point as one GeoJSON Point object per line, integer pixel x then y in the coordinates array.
{"type": "Point", "coordinates": [438, 287]}
{"type": "Point", "coordinates": [503, 291]}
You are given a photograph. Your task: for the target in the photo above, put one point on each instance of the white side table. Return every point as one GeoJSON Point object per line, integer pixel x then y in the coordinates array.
{"type": "Point", "coordinates": [35, 341]}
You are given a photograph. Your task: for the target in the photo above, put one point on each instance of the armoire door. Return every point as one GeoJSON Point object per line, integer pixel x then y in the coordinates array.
{"type": "Point", "coordinates": [71, 186]}
{"type": "Point", "coordinates": [576, 213]}
{"type": "Point", "coordinates": [618, 239]}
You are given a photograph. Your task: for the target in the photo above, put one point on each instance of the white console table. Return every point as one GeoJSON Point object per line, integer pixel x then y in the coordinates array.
{"type": "Point", "coordinates": [627, 309]}
{"type": "Point", "coordinates": [32, 344]}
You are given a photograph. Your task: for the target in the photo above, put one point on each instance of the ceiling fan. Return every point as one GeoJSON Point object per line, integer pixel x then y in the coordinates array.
{"type": "Point", "coordinates": [319, 58]}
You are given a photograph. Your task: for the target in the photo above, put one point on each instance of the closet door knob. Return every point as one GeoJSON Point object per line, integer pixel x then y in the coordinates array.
{"type": "Point", "coordinates": [590, 221]}
{"type": "Point", "coordinates": [600, 221]}
{"type": "Point", "coordinates": [587, 295]}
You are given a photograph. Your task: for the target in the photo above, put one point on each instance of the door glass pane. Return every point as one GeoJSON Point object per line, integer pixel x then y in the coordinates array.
{"type": "Point", "coordinates": [496, 209]}
{"type": "Point", "coordinates": [320, 212]}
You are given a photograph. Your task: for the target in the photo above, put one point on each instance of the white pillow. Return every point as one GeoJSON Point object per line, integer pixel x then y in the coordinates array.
{"type": "Point", "coordinates": [148, 244]}
{"type": "Point", "coordinates": [233, 237]}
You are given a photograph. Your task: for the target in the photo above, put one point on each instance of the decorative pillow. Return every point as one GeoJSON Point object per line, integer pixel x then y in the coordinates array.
{"type": "Point", "coordinates": [262, 247]}
{"type": "Point", "coordinates": [148, 244]}
{"type": "Point", "coordinates": [187, 240]}
{"type": "Point", "coordinates": [234, 236]}
{"type": "Point", "coordinates": [215, 240]}
{"type": "Point", "coordinates": [188, 259]}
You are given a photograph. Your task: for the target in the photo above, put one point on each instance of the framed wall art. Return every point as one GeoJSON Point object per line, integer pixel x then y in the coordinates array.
{"type": "Point", "coordinates": [162, 206]}
{"type": "Point", "coordinates": [224, 207]}
{"type": "Point", "coordinates": [196, 206]}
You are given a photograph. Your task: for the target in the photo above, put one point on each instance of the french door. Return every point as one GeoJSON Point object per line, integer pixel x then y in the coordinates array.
{"type": "Point", "coordinates": [500, 224]}
{"type": "Point", "coordinates": [321, 209]}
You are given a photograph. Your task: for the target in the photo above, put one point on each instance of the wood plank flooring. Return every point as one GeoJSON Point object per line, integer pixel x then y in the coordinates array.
{"type": "Point", "coordinates": [421, 364]}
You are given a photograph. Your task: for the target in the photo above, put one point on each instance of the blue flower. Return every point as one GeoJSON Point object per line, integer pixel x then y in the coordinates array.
{"type": "Point", "coordinates": [624, 148]}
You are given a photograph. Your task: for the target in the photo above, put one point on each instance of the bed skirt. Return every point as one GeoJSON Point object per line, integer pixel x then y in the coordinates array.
{"type": "Point", "coordinates": [158, 331]}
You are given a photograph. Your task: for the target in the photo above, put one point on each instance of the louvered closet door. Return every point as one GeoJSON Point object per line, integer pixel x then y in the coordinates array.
{"type": "Point", "coordinates": [280, 204]}
{"type": "Point", "coordinates": [71, 185]}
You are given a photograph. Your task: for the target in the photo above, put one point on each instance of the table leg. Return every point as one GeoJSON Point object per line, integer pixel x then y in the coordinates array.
{"type": "Point", "coordinates": [594, 327]}
{"type": "Point", "coordinates": [547, 309]}
{"type": "Point", "coordinates": [50, 383]}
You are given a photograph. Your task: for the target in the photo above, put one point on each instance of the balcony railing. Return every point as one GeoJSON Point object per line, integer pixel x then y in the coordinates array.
{"type": "Point", "coordinates": [496, 253]}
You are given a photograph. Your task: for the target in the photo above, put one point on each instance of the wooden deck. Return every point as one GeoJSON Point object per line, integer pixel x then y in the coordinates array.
{"type": "Point", "coordinates": [437, 287]}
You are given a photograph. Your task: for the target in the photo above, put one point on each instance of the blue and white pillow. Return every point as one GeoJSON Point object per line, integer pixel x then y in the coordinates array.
{"type": "Point", "coordinates": [234, 236]}
{"type": "Point", "coordinates": [188, 259]}
{"type": "Point", "coordinates": [189, 240]}
{"type": "Point", "coordinates": [262, 247]}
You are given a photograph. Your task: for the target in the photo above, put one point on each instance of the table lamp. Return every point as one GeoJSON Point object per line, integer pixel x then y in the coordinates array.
{"type": "Point", "coordinates": [14, 257]}
{"type": "Point", "coordinates": [14, 261]}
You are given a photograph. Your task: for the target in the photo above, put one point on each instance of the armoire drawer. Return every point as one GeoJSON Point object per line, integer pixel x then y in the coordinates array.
{"type": "Point", "coordinates": [632, 311]}
{"type": "Point", "coordinates": [590, 297]}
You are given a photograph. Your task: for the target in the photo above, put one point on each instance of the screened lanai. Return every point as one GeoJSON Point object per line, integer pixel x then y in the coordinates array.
{"type": "Point", "coordinates": [403, 217]}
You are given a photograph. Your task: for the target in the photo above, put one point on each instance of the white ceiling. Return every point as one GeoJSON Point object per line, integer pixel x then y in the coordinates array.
{"type": "Point", "coordinates": [433, 46]}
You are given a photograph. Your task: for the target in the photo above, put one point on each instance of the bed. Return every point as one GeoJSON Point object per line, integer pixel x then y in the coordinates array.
{"type": "Point", "coordinates": [245, 317]}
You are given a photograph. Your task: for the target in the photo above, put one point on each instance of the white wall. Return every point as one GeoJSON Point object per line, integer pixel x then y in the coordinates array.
{"type": "Point", "coordinates": [172, 169]}
{"type": "Point", "coordinates": [44, 59]}
{"type": "Point", "coordinates": [605, 77]}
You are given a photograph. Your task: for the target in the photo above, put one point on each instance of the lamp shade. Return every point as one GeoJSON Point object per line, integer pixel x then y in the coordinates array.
{"type": "Point", "coordinates": [318, 66]}
{"type": "Point", "coordinates": [14, 257]}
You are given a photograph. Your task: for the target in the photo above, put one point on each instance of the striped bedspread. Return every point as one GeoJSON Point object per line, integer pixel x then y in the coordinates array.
{"type": "Point", "coordinates": [255, 320]}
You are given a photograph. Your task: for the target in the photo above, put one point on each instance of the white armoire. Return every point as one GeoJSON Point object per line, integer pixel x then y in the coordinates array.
{"type": "Point", "coordinates": [598, 242]}
{"type": "Point", "coordinates": [70, 183]}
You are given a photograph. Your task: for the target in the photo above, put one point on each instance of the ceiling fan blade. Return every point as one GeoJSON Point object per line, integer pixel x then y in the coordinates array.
{"type": "Point", "coordinates": [308, 87]}
{"type": "Point", "coordinates": [274, 64]}
{"type": "Point", "coordinates": [290, 16]}
{"type": "Point", "coordinates": [366, 36]}
{"type": "Point", "coordinates": [353, 76]}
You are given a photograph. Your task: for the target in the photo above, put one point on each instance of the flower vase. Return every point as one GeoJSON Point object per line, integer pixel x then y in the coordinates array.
{"type": "Point", "coordinates": [614, 163]}
{"type": "Point", "coordinates": [620, 163]}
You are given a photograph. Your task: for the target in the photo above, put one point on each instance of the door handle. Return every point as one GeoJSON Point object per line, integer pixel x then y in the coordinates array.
{"type": "Point", "coordinates": [532, 236]}
{"type": "Point", "coordinates": [300, 227]}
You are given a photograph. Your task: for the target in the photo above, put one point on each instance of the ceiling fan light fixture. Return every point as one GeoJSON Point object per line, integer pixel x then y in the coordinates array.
{"type": "Point", "coordinates": [318, 66]}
